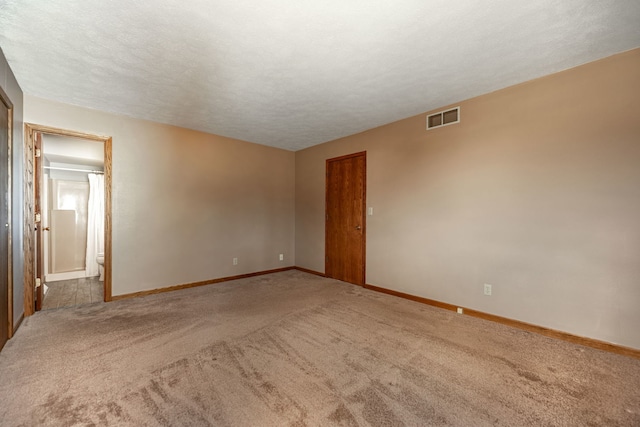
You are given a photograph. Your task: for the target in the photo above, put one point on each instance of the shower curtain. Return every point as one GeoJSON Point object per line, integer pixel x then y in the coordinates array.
{"type": "Point", "coordinates": [95, 223]}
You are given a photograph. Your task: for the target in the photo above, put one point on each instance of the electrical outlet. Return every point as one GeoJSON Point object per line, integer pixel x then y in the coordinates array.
{"type": "Point", "coordinates": [460, 311]}
{"type": "Point", "coordinates": [235, 261]}
{"type": "Point", "coordinates": [281, 257]}
{"type": "Point", "coordinates": [487, 289]}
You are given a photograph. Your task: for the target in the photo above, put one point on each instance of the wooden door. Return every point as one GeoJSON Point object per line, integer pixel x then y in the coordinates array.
{"type": "Point", "coordinates": [39, 239]}
{"type": "Point", "coordinates": [345, 229]}
{"type": "Point", "coordinates": [4, 224]}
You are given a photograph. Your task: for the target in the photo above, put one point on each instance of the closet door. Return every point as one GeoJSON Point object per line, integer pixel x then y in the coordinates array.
{"type": "Point", "coordinates": [4, 224]}
{"type": "Point", "coordinates": [345, 228]}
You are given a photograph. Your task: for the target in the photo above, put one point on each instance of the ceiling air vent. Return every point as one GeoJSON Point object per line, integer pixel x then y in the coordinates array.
{"type": "Point", "coordinates": [443, 118]}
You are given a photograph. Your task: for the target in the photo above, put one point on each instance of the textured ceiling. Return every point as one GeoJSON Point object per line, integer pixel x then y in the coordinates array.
{"type": "Point", "coordinates": [295, 73]}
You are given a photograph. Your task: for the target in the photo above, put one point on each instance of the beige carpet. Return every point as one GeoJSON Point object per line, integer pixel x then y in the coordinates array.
{"type": "Point", "coordinates": [294, 349]}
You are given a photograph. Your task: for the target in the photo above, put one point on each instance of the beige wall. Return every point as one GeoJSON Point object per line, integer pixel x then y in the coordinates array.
{"type": "Point", "coordinates": [185, 203]}
{"type": "Point", "coordinates": [536, 191]}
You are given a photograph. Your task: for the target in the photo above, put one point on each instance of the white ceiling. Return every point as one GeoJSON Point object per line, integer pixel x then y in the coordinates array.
{"type": "Point", "coordinates": [295, 73]}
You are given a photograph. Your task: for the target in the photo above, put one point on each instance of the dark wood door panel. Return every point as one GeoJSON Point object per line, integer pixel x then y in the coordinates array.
{"type": "Point", "coordinates": [4, 221]}
{"type": "Point", "coordinates": [345, 229]}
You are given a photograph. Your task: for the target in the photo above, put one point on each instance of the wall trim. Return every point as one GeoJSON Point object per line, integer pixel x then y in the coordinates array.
{"type": "Point", "coordinates": [306, 270]}
{"type": "Point", "coordinates": [67, 275]}
{"type": "Point", "coordinates": [541, 330]}
{"type": "Point", "coordinates": [196, 284]}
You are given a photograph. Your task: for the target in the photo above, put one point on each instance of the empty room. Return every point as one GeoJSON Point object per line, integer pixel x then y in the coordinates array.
{"type": "Point", "coordinates": [350, 213]}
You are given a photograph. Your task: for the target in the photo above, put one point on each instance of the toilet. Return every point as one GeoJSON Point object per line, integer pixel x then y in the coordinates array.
{"type": "Point", "coordinates": [100, 261]}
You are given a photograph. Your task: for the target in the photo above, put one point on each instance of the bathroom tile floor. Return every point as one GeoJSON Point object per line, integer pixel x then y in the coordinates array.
{"type": "Point", "coordinates": [67, 293]}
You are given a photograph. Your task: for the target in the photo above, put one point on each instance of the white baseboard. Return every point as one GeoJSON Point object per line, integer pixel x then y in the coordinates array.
{"type": "Point", "coordinates": [69, 275]}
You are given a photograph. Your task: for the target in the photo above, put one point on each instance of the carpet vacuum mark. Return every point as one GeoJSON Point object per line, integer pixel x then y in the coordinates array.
{"type": "Point", "coordinates": [315, 351]}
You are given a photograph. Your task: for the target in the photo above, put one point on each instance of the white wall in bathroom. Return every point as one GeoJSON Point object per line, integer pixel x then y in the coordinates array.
{"type": "Point", "coordinates": [68, 225]}
{"type": "Point", "coordinates": [82, 151]}
{"type": "Point", "coordinates": [67, 175]}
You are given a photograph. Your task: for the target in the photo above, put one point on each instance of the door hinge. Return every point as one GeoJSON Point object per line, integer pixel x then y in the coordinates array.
{"type": "Point", "coordinates": [38, 217]}
{"type": "Point", "coordinates": [38, 153]}
{"type": "Point", "coordinates": [38, 282]}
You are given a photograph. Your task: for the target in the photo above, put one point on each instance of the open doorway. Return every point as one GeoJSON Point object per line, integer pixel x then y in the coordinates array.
{"type": "Point", "coordinates": [72, 196]}
{"type": "Point", "coordinates": [68, 244]}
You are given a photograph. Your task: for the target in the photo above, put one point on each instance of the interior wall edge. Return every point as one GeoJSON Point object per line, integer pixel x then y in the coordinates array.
{"type": "Point", "coordinates": [534, 192]}
{"type": "Point", "coordinates": [185, 202]}
{"type": "Point", "coordinates": [306, 270]}
{"type": "Point", "coordinates": [17, 324]}
{"type": "Point", "coordinates": [537, 329]}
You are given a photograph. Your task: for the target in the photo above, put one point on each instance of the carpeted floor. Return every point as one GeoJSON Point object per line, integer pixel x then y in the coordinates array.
{"type": "Point", "coordinates": [294, 349]}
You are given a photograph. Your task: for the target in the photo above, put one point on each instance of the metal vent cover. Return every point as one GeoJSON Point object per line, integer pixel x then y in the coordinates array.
{"type": "Point", "coordinates": [443, 118]}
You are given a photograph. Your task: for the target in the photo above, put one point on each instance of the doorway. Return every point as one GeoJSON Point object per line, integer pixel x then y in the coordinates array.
{"type": "Point", "coordinates": [6, 295]}
{"type": "Point", "coordinates": [68, 245]}
{"type": "Point", "coordinates": [345, 227]}
{"type": "Point", "coordinates": [72, 196]}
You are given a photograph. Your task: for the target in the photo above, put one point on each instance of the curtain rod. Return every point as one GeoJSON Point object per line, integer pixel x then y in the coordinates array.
{"type": "Point", "coordinates": [72, 170]}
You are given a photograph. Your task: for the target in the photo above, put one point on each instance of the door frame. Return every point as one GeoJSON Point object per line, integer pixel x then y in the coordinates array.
{"type": "Point", "coordinates": [4, 98]}
{"type": "Point", "coordinates": [30, 130]}
{"type": "Point", "coordinates": [38, 178]}
{"type": "Point", "coordinates": [362, 154]}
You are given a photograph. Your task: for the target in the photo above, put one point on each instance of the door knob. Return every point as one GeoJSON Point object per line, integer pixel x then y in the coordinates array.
{"type": "Point", "coordinates": [46, 229]}
{"type": "Point", "coordinates": [358, 227]}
